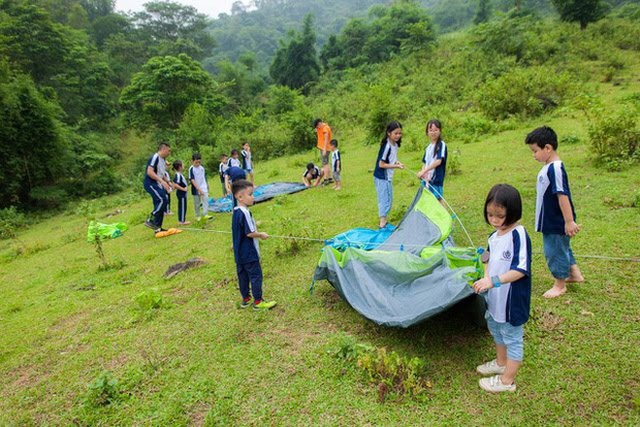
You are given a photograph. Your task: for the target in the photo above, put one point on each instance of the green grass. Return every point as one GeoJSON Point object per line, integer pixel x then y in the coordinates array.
{"type": "Point", "coordinates": [197, 359]}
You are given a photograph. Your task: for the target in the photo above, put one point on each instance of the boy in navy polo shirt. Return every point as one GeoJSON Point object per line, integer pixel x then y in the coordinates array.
{"type": "Point", "coordinates": [555, 216]}
{"type": "Point", "coordinates": [231, 175]}
{"type": "Point", "coordinates": [246, 249]}
{"type": "Point", "coordinates": [310, 173]}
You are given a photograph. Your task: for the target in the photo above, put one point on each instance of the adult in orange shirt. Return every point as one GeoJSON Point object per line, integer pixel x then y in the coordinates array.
{"type": "Point", "coordinates": [324, 137]}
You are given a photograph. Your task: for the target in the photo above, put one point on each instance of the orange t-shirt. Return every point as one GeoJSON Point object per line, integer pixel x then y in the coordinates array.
{"type": "Point", "coordinates": [323, 130]}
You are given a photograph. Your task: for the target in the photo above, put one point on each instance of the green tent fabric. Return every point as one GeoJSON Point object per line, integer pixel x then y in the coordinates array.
{"type": "Point", "coordinates": [415, 274]}
{"type": "Point", "coordinates": [102, 231]}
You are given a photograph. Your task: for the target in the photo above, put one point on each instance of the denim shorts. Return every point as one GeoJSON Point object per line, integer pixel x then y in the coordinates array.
{"type": "Point", "coordinates": [436, 190]}
{"type": "Point", "coordinates": [384, 188]}
{"type": "Point", "coordinates": [336, 176]}
{"type": "Point", "coordinates": [509, 336]}
{"type": "Point", "coordinates": [557, 251]}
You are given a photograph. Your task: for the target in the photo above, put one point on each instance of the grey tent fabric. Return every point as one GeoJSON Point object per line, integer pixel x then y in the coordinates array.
{"type": "Point", "coordinates": [410, 277]}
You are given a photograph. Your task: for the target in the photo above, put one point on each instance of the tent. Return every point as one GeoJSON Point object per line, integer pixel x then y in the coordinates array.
{"type": "Point", "coordinates": [408, 275]}
{"type": "Point", "coordinates": [260, 194]}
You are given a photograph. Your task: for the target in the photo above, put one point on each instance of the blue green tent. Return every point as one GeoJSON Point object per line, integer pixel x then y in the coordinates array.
{"type": "Point", "coordinates": [413, 274]}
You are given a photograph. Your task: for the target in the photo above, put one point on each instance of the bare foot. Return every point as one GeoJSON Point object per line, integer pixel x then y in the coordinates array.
{"type": "Point", "coordinates": [555, 292]}
{"type": "Point", "coordinates": [575, 276]}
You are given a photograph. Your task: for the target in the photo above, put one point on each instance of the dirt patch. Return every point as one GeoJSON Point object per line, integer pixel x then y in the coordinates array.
{"type": "Point", "coordinates": [198, 415]}
{"type": "Point", "coordinates": [547, 320]}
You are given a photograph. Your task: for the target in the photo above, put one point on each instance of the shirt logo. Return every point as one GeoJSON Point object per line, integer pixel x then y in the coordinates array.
{"type": "Point", "coordinates": [506, 256]}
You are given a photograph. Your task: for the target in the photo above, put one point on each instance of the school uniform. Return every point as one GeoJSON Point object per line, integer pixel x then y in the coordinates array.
{"type": "Point", "coordinates": [383, 178]}
{"type": "Point", "coordinates": [335, 161]}
{"type": "Point", "coordinates": [197, 174]}
{"type": "Point", "coordinates": [181, 195]}
{"type": "Point", "coordinates": [508, 306]}
{"type": "Point", "coordinates": [247, 163]}
{"type": "Point", "coordinates": [222, 167]}
{"type": "Point", "coordinates": [235, 173]}
{"type": "Point", "coordinates": [155, 189]}
{"type": "Point", "coordinates": [234, 163]}
{"type": "Point", "coordinates": [552, 180]}
{"type": "Point", "coordinates": [435, 179]}
{"type": "Point", "coordinates": [246, 251]}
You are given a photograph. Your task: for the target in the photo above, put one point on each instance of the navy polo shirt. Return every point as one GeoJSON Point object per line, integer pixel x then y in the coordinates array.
{"type": "Point", "coordinates": [235, 173]}
{"type": "Point", "coordinates": [245, 249]}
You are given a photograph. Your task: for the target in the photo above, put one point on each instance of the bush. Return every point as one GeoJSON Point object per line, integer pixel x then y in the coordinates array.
{"type": "Point", "coordinates": [10, 222]}
{"type": "Point", "coordinates": [615, 139]}
{"type": "Point", "coordinates": [103, 390]}
{"type": "Point", "coordinates": [524, 92]}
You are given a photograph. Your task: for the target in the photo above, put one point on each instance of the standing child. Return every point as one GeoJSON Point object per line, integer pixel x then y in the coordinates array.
{"type": "Point", "coordinates": [247, 163]}
{"type": "Point", "coordinates": [386, 162]}
{"type": "Point", "coordinates": [233, 160]}
{"type": "Point", "coordinates": [180, 184]}
{"type": "Point", "coordinates": [246, 248]}
{"type": "Point", "coordinates": [336, 164]}
{"type": "Point", "coordinates": [222, 168]}
{"type": "Point", "coordinates": [555, 216]}
{"type": "Point", "coordinates": [199, 187]}
{"type": "Point", "coordinates": [167, 179]}
{"type": "Point", "coordinates": [507, 278]}
{"type": "Point", "coordinates": [435, 160]}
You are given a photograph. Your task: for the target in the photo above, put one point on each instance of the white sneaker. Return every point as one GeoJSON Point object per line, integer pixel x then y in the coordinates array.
{"type": "Point", "coordinates": [490, 368]}
{"type": "Point", "coordinates": [494, 385]}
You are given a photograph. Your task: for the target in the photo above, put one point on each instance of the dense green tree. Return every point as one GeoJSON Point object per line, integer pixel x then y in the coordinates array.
{"type": "Point", "coordinates": [582, 11]}
{"type": "Point", "coordinates": [402, 27]}
{"type": "Point", "coordinates": [296, 62]}
{"type": "Point", "coordinates": [175, 28]}
{"type": "Point", "coordinates": [160, 93]}
{"type": "Point", "coordinates": [483, 12]}
{"type": "Point", "coordinates": [32, 151]}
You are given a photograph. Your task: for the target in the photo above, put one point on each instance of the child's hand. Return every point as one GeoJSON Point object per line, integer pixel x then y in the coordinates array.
{"type": "Point", "coordinates": [482, 285]}
{"type": "Point", "coordinates": [263, 236]}
{"type": "Point", "coordinates": [399, 165]}
{"type": "Point", "coordinates": [571, 228]}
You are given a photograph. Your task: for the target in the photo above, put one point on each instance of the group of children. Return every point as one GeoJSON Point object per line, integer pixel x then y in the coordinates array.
{"type": "Point", "coordinates": [507, 279]}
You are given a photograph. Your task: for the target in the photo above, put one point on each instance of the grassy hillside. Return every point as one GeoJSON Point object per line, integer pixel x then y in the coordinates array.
{"type": "Point", "coordinates": [197, 359]}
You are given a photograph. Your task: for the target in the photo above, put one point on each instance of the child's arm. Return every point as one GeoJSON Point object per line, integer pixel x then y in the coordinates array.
{"type": "Point", "coordinates": [426, 168]}
{"type": "Point", "coordinates": [486, 282]}
{"type": "Point", "coordinates": [570, 226]}
{"type": "Point", "coordinates": [338, 165]}
{"type": "Point", "coordinates": [385, 165]}
{"type": "Point", "coordinates": [258, 235]}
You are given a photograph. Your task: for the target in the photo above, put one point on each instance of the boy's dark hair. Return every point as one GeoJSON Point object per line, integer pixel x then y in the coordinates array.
{"type": "Point", "coordinates": [177, 165]}
{"type": "Point", "coordinates": [196, 156]}
{"type": "Point", "coordinates": [222, 156]}
{"type": "Point", "coordinates": [390, 128]}
{"type": "Point", "coordinates": [334, 142]}
{"type": "Point", "coordinates": [541, 137]}
{"type": "Point", "coordinates": [316, 122]}
{"type": "Point", "coordinates": [240, 185]}
{"type": "Point", "coordinates": [245, 143]}
{"type": "Point", "coordinates": [163, 144]}
{"type": "Point", "coordinates": [234, 151]}
{"type": "Point", "coordinates": [509, 198]}
{"type": "Point", "coordinates": [310, 166]}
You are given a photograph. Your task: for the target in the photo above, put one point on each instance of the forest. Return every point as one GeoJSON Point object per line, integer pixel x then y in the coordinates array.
{"type": "Point", "coordinates": [86, 91]}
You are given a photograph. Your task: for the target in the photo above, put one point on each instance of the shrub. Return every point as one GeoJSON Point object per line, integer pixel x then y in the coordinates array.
{"type": "Point", "coordinates": [524, 92]}
{"type": "Point", "coordinates": [615, 138]}
{"type": "Point", "coordinates": [11, 221]}
{"type": "Point", "coordinates": [103, 390]}
{"type": "Point", "coordinates": [149, 300]}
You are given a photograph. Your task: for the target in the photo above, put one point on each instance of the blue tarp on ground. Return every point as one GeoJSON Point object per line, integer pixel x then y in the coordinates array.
{"type": "Point", "coordinates": [260, 194]}
{"type": "Point", "coordinates": [361, 238]}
